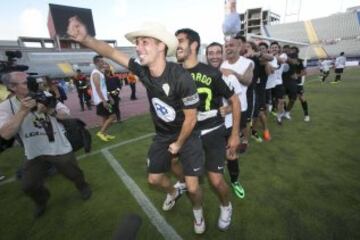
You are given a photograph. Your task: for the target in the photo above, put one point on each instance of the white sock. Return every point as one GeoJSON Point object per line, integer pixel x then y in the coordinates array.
{"type": "Point", "coordinates": [198, 214]}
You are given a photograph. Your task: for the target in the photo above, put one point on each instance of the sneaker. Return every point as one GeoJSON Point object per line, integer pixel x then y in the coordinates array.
{"type": "Point", "coordinates": [334, 82]}
{"type": "Point", "coordinates": [109, 137]}
{"type": "Point", "coordinates": [279, 120]}
{"type": "Point", "coordinates": [225, 217]}
{"type": "Point", "coordinates": [86, 193]}
{"type": "Point", "coordinates": [238, 189]}
{"type": "Point", "coordinates": [266, 135]}
{"type": "Point", "coordinates": [170, 200]}
{"type": "Point", "coordinates": [2, 177]}
{"type": "Point", "coordinates": [102, 136]}
{"type": "Point", "coordinates": [255, 135]}
{"type": "Point", "coordinates": [39, 210]}
{"type": "Point", "coordinates": [307, 118]}
{"type": "Point", "coordinates": [287, 115]}
{"type": "Point", "coordinates": [199, 228]}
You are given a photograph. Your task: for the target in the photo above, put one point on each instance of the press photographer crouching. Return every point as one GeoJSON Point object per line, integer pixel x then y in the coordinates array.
{"type": "Point", "coordinates": [32, 117]}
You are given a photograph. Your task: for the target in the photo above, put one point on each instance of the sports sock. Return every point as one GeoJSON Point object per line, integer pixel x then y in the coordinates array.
{"type": "Point", "coordinates": [234, 170]}
{"type": "Point", "coordinates": [305, 108]}
{"type": "Point", "coordinates": [198, 214]}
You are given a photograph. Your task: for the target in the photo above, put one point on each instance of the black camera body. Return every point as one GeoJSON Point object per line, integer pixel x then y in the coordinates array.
{"type": "Point", "coordinates": [39, 95]}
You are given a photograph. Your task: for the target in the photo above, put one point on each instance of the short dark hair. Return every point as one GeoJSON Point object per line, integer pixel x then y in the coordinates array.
{"type": "Point", "coordinates": [275, 43]}
{"type": "Point", "coordinates": [286, 46]}
{"type": "Point", "coordinates": [241, 37]}
{"type": "Point", "coordinates": [212, 45]}
{"type": "Point", "coordinates": [253, 45]}
{"type": "Point", "coordinates": [78, 70]}
{"type": "Point", "coordinates": [342, 53]}
{"type": "Point", "coordinates": [264, 44]}
{"type": "Point", "coordinates": [191, 35]}
{"type": "Point", "coordinates": [96, 58]}
{"type": "Point", "coordinates": [295, 48]}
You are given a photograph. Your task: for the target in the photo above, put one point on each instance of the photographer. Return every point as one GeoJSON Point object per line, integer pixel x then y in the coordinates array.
{"type": "Point", "coordinates": [42, 137]}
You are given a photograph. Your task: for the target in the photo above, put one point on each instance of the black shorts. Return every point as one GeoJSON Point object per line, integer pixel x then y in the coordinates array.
{"type": "Point", "coordinates": [278, 91]}
{"type": "Point", "coordinates": [104, 112]}
{"type": "Point", "coordinates": [191, 155]}
{"type": "Point", "coordinates": [260, 99]}
{"type": "Point", "coordinates": [291, 89]}
{"type": "Point", "coordinates": [214, 145]}
{"type": "Point", "coordinates": [300, 89]}
{"type": "Point", "coordinates": [339, 70]}
{"type": "Point", "coordinates": [243, 120]}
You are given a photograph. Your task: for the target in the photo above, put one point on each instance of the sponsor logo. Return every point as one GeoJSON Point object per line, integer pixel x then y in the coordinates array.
{"type": "Point", "coordinates": [196, 169]}
{"type": "Point", "coordinates": [166, 88]}
{"type": "Point", "coordinates": [220, 167]}
{"type": "Point", "coordinates": [191, 100]}
{"type": "Point", "coordinates": [164, 111]}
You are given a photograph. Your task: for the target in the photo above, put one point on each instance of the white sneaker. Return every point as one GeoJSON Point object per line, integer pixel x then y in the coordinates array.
{"type": "Point", "coordinates": [287, 115]}
{"type": "Point", "coordinates": [225, 217]}
{"type": "Point", "coordinates": [199, 228]}
{"type": "Point", "coordinates": [170, 200]}
{"type": "Point", "coordinates": [307, 118]}
{"type": "Point", "coordinates": [2, 177]}
{"type": "Point", "coordinates": [181, 186]}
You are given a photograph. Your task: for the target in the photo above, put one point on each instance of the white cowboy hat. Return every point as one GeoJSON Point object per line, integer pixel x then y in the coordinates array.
{"type": "Point", "coordinates": [157, 31]}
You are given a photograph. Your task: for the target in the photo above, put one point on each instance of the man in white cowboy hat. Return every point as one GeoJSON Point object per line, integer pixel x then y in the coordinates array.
{"type": "Point", "coordinates": [173, 101]}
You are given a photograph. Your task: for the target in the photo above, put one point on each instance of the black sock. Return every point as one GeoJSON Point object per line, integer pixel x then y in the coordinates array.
{"type": "Point", "coordinates": [305, 108]}
{"type": "Point", "coordinates": [234, 171]}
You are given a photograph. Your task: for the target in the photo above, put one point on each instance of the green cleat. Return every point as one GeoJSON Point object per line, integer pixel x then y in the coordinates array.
{"type": "Point", "coordinates": [238, 189]}
{"type": "Point", "coordinates": [256, 137]}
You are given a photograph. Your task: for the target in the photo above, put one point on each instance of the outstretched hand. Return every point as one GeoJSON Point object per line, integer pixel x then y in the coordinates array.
{"type": "Point", "coordinates": [76, 29]}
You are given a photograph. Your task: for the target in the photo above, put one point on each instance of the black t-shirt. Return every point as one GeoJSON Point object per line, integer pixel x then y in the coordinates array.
{"type": "Point", "coordinates": [211, 88]}
{"type": "Point", "coordinates": [168, 95]}
{"type": "Point", "coordinates": [80, 81]}
{"type": "Point", "coordinates": [287, 76]}
{"type": "Point", "coordinates": [256, 73]}
{"type": "Point", "coordinates": [300, 67]}
{"type": "Point", "coordinates": [113, 83]}
{"type": "Point", "coordinates": [262, 74]}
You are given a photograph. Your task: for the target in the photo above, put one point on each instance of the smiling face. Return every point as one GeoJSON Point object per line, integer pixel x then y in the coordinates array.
{"type": "Point", "coordinates": [232, 49]}
{"type": "Point", "coordinates": [183, 50]}
{"type": "Point", "coordinates": [274, 49]}
{"type": "Point", "coordinates": [148, 49]}
{"type": "Point", "coordinates": [214, 56]}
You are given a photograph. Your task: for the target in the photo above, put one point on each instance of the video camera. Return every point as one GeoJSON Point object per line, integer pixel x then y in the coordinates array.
{"type": "Point", "coordinates": [10, 65]}
{"type": "Point", "coordinates": [38, 95]}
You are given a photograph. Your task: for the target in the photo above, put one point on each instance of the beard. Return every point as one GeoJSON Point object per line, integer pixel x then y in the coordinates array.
{"type": "Point", "coordinates": [183, 55]}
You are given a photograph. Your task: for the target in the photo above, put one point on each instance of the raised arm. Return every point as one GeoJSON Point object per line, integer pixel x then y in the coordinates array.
{"type": "Point", "coordinates": [78, 32]}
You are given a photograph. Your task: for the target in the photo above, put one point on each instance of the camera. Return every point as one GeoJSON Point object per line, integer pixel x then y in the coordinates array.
{"type": "Point", "coordinates": [10, 65]}
{"type": "Point", "coordinates": [38, 95]}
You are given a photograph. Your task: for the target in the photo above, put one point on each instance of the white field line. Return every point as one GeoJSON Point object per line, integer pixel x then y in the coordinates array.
{"type": "Point", "coordinates": [166, 230]}
{"type": "Point", "coordinates": [12, 179]}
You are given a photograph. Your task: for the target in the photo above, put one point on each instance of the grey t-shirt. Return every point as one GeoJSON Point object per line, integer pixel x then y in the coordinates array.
{"type": "Point", "coordinates": [33, 135]}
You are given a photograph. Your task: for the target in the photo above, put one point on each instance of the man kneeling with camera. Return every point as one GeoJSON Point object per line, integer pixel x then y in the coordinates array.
{"type": "Point", "coordinates": [32, 117]}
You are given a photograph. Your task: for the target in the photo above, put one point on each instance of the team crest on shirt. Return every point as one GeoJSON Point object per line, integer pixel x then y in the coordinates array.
{"type": "Point", "coordinates": [166, 88]}
{"type": "Point", "coordinates": [163, 110]}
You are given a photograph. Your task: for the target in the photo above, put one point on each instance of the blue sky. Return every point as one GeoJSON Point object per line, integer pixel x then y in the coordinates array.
{"type": "Point", "coordinates": [114, 18]}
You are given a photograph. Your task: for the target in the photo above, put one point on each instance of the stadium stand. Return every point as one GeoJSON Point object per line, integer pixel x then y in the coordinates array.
{"type": "Point", "coordinates": [341, 25]}
{"type": "Point", "coordinates": [328, 35]}
{"type": "Point", "coordinates": [291, 31]}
